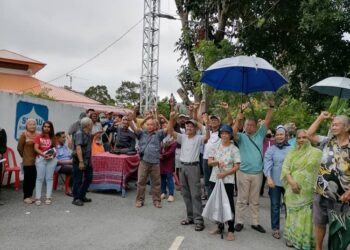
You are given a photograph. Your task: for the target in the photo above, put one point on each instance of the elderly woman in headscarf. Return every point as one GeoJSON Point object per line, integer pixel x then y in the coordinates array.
{"type": "Point", "coordinates": [299, 174]}
{"type": "Point", "coordinates": [273, 162]}
{"type": "Point", "coordinates": [225, 160]}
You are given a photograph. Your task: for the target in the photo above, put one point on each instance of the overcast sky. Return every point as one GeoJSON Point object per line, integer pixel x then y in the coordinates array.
{"type": "Point", "coordinates": [65, 33]}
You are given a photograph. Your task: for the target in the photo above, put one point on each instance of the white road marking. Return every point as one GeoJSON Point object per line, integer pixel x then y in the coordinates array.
{"type": "Point", "coordinates": [177, 242]}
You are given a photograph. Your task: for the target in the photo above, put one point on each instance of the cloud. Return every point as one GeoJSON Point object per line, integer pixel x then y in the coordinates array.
{"type": "Point", "coordinates": [65, 33]}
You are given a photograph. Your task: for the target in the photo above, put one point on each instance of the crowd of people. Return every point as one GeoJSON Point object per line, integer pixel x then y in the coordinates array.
{"type": "Point", "coordinates": [306, 172]}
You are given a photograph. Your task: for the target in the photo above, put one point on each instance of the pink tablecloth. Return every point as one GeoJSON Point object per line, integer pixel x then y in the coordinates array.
{"type": "Point", "coordinates": [111, 171]}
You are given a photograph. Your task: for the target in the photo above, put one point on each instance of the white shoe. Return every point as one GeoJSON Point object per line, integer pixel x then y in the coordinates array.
{"type": "Point", "coordinates": [171, 198]}
{"type": "Point", "coordinates": [38, 202]}
{"type": "Point", "coordinates": [163, 196]}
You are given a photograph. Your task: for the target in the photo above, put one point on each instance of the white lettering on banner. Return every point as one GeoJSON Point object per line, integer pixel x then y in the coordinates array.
{"type": "Point", "coordinates": [21, 124]}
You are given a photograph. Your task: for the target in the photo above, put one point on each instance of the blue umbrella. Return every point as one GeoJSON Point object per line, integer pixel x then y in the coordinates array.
{"type": "Point", "coordinates": [244, 74]}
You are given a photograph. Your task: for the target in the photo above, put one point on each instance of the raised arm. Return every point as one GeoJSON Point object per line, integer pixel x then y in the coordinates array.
{"type": "Point", "coordinates": [311, 132]}
{"type": "Point", "coordinates": [268, 117]}
{"type": "Point", "coordinates": [207, 128]}
{"type": "Point", "coordinates": [225, 106]}
{"type": "Point", "coordinates": [170, 129]}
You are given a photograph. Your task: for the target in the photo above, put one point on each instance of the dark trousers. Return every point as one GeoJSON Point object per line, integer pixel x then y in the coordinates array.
{"type": "Point", "coordinates": [231, 223]}
{"type": "Point", "coordinates": [207, 173]}
{"type": "Point", "coordinates": [81, 180]}
{"type": "Point", "coordinates": [262, 185]}
{"type": "Point", "coordinates": [29, 181]}
{"type": "Point", "coordinates": [275, 197]}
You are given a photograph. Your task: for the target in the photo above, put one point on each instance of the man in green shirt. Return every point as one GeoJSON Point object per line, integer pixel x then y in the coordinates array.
{"type": "Point", "coordinates": [249, 177]}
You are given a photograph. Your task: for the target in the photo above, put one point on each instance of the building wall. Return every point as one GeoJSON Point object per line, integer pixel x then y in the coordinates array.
{"type": "Point", "coordinates": [15, 109]}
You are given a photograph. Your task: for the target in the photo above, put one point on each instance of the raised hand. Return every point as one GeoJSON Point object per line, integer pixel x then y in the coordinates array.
{"type": "Point", "coordinates": [196, 105]}
{"type": "Point", "coordinates": [224, 105]}
{"type": "Point", "coordinates": [325, 115]}
{"type": "Point", "coordinates": [271, 103]}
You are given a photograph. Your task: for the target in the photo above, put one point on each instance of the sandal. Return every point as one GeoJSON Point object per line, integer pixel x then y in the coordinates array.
{"type": "Point", "coordinates": [289, 244]}
{"type": "Point", "coordinates": [276, 234]}
{"type": "Point", "coordinates": [157, 205]}
{"type": "Point", "coordinates": [199, 227]}
{"type": "Point", "coordinates": [139, 204]}
{"type": "Point", "coordinates": [28, 201]}
{"type": "Point", "coordinates": [38, 202]}
{"type": "Point", "coordinates": [48, 201]}
{"type": "Point", "coordinates": [187, 222]}
{"type": "Point", "coordinates": [230, 236]}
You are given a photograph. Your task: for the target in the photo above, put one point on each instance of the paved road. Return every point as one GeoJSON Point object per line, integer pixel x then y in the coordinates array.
{"type": "Point", "coordinates": [112, 222]}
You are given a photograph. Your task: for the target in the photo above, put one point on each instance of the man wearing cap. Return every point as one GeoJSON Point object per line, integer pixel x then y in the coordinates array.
{"type": "Point", "coordinates": [190, 171]}
{"type": "Point", "coordinates": [249, 176]}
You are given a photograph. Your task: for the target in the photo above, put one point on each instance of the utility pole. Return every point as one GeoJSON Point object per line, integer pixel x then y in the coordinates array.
{"type": "Point", "coordinates": [150, 56]}
{"type": "Point", "coordinates": [70, 80]}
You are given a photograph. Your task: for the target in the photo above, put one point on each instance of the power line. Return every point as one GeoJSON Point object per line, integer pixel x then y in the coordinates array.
{"type": "Point", "coordinates": [99, 53]}
{"type": "Point", "coordinates": [90, 59]}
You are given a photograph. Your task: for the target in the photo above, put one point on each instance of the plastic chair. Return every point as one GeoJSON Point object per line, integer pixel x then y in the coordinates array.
{"type": "Point", "coordinates": [56, 175]}
{"type": "Point", "coordinates": [9, 168]}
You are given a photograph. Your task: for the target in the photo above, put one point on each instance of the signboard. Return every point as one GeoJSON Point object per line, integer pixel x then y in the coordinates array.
{"type": "Point", "coordinates": [27, 110]}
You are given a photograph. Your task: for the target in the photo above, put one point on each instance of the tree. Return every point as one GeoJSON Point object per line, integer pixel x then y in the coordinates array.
{"type": "Point", "coordinates": [303, 39]}
{"type": "Point", "coordinates": [128, 93]}
{"type": "Point", "coordinates": [100, 94]}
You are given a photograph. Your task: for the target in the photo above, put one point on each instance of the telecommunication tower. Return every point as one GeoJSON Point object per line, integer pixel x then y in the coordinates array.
{"type": "Point", "coordinates": [150, 56]}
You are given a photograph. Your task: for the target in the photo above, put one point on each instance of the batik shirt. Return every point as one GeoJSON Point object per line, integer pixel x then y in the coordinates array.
{"type": "Point", "coordinates": [334, 174]}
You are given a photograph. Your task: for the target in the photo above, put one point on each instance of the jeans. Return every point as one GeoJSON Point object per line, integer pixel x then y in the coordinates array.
{"type": "Point", "coordinates": [81, 179]}
{"type": "Point", "coordinates": [275, 197]}
{"type": "Point", "coordinates": [207, 172]}
{"type": "Point", "coordinates": [44, 170]}
{"type": "Point", "coordinates": [167, 180]}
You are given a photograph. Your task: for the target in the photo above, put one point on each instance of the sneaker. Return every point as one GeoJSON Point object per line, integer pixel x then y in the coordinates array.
{"type": "Point", "coordinates": [163, 196]}
{"type": "Point", "coordinates": [38, 202]}
{"type": "Point", "coordinates": [78, 202]}
{"type": "Point", "coordinates": [171, 198]}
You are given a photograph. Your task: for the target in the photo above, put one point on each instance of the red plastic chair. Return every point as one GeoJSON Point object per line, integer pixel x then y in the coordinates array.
{"type": "Point", "coordinates": [56, 175]}
{"type": "Point", "coordinates": [9, 168]}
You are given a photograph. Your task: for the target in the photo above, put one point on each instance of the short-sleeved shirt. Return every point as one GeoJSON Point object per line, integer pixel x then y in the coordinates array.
{"type": "Point", "coordinates": [149, 144]}
{"type": "Point", "coordinates": [229, 155]}
{"type": "Point", "coordinates": [62, 153]}
{"type": "Point", "coordinates": [334, 174]}
{"type": "Point", "coordinates": [44, 142]}
{"type": "Point", "coordinates": [213, 141]}
{"type": "Point", "coordinates": [84, 140]}
{"type": "Point", "coordinates": [251, 157]}
{"type": "Point", "coordinates": [190, 147]}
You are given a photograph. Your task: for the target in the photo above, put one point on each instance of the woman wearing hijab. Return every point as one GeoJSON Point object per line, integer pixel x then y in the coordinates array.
{"type": "Point", "coordinates": [25, 148]}
{"type": "Point", "coordinates": [273, 162]}
{"type": "Point", "coordinates": [299, 174]}
{"type": "Point", "coordinates": [225, 160]}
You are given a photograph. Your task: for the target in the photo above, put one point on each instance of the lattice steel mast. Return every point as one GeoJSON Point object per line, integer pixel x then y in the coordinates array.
{"type": "Point", "coordinates": [150, 56]}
